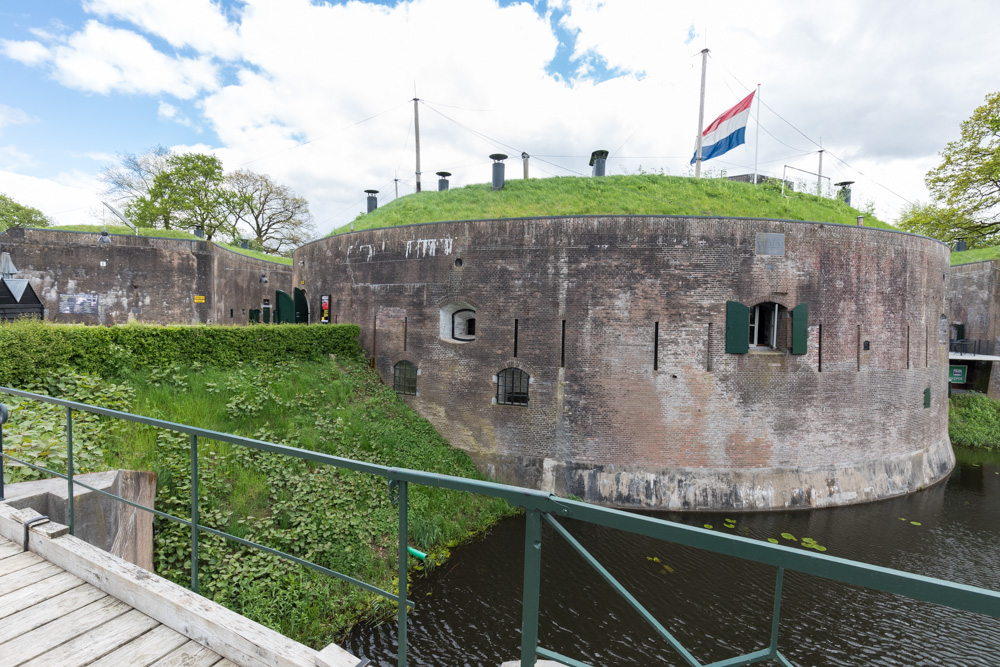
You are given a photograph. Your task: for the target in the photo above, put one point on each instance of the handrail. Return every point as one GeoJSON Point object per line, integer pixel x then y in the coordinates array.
{"type": "Point", "coordinates": [539, 506]}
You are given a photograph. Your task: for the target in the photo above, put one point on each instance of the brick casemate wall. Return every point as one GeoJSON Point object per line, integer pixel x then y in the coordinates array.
{"type": "Point", "coordinates": [973, 295]}
{"type": "Point", "coordinates": [141, 278]}
{"type": "Point", "coordinates": [703, 430]}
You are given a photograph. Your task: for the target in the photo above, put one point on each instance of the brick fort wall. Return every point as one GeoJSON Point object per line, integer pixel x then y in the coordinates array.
{"type": "Point", "coordinates": [620, 322]}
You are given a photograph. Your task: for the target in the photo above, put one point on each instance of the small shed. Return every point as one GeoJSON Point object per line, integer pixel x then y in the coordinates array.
{"type": "Point", "coordinates": [17, 298]}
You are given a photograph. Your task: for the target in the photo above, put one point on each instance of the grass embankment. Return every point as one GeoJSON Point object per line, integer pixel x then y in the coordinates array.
{"type": "Point", "coordinates": [646, 194]}
{"type": "Point", "coordinates": [975, 255]}
{"type": "Point", "coordinates": [339, 519]}
{"type": "Point", "coordinates": [974, 421]}
{"type": "Point", "coordinates": [170, 234]}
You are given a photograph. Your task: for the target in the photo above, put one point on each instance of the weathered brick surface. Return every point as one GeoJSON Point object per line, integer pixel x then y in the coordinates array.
{"type": "Point", "coordinates": [150, 279]}
{"type": "Point", "coordinates": [974, 299]}
{"type": "Point", "coordinates": [706, 429]}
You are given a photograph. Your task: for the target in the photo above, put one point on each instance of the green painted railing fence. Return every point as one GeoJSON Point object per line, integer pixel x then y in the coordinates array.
{"type": "Point", "coordinates": [540, 508]}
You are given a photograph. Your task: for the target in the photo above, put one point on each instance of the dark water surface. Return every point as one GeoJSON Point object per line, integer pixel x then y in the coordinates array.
{"type": "Point", "coordinates": [469, 610]}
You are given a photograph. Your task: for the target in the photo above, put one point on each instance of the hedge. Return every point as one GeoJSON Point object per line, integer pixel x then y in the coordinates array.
{"type": "Point", "coordinates": [29, 348]}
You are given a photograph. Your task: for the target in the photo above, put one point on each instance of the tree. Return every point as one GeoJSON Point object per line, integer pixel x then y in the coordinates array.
{"type": "Point", "coordinates": [13, 214]}
{"type": "Point", "coordinates": [275, 217]}
{"type": "Point", "coordinates": [943, 224]}
{"type": "Point", "coordinates": [133, 176]}
{"type": "Point", "coordinates": [187, 194]}
{"type": "Point", "coordinates": [967, 182]}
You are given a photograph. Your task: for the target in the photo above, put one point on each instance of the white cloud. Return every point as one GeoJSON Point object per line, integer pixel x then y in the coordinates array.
{"type": "Point", "coordinates": [199, 24]}
{"type": "Point", "coordinates": [70, 199]}
{"type": "Point", "coordinates": [12, 116]}
{"type": "Point", "coordinates": [12, 158]}
{"type": "Point", "coordinates": [27, 52]}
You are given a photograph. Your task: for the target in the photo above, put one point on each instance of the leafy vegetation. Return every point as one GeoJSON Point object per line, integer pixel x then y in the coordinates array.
{"type": "Point", "coordinates": [967, 182]}
{"type": "Point", "coordinates": [13, 214]}
{"type": "Point", "coordinates": [190, 191]}
{"type": "Point", "coordinates": [974, 421]}
{"type": "Point", "coordinates": [339, 519]}
{"type": "Point", "coordinates": [643, 194]}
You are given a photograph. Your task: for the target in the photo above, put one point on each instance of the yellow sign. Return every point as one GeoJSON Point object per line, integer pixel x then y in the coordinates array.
{"type": "Point", "coordinates": [199, 299]}
{"type": "Point", "coordinates": [302, 282]}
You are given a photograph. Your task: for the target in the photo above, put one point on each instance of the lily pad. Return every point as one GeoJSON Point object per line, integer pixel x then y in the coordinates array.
{"type": "Point", "coordinates": [709, 526]}
{"type": "Point", "coordinates": [789, 536]}
{"type": "Point", "coordinates": [772, 540]}
{"type": "Point", "coordinates": [915, 523]}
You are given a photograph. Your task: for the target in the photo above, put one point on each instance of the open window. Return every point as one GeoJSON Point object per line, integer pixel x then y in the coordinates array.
{"type": "Point", "coordinates": [512, 387]}
{"type": "Point", "coordinates": [458, 322]}
{"type": "Point", "coordinates": [404, 378]}
{"type": "Point", "coordinates": [766, 326]}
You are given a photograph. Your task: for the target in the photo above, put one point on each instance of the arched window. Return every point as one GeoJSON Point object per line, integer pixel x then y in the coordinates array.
{"type": "Point", "coordinates": [404, 378]}
{"type": "Point", "coordinates": [458, 322]}
{"type": "Point", "coordinates": [512, 387]}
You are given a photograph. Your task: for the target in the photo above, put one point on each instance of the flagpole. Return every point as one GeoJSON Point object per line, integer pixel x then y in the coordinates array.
{"type": "Point", "coordinates": [756, 148]}
{"type": "Point", "coordinates": [701, 114]}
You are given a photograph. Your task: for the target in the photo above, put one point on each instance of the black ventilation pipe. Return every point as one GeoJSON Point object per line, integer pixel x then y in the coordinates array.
{"type": "Point", "coordinates": [597, 160]}
{"type": "Point", "coordinates": [498, 159]}
{"type": "Point", "coordinates": [443, 181]}
{"type": "Point", "coordinates": [372, 200]}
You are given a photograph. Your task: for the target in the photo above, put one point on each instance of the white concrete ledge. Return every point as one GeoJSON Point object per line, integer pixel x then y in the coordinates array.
{"type": "Point", "coordinates": [232, 636]}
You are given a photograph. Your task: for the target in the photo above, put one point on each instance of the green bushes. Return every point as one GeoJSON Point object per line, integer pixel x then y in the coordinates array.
{"type": "Point", "coordinates": [30, 349]}
{"type": "Point", "coordinates": [974, 421]}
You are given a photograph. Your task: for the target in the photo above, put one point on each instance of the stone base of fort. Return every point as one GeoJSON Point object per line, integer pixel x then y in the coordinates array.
{"type": "Point", "coordinates": [718, 489]}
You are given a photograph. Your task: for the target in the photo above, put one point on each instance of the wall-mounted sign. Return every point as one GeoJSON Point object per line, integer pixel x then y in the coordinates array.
{"type": "Point", "coordinates": [957, 374]}
{"type": "Point", "coordinates": [770, 244]}
{"type": "Point", "coordinates": [324, 309]}
{"type": "Point", "coordinates": [199, 298]}
{"type": "Point", "coordinates": [78, 304]}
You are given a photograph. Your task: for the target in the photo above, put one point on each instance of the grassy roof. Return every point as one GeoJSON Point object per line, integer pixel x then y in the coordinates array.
{"type": "Point", "coordinates": [975, 255]}
{"type": "Point", "coordinates": [645, 194]}
{"type": "Point", "coordinates": [170, 234]}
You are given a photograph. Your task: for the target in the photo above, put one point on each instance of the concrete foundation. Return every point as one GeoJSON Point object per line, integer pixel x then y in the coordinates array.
{"type": "Point", "coordinates": [101, 521]}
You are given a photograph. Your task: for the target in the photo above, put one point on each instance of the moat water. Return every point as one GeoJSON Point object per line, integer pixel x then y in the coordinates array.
{"type": "Point", "coordinates": [469, 610]}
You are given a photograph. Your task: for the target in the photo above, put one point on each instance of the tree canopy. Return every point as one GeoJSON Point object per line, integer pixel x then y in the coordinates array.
{"type": "Point", "coordinates": [13, 214]}
{"type": "Point", "coordinates": [191, 191]}
{"type": "Point", "coordinates": [966, 185]}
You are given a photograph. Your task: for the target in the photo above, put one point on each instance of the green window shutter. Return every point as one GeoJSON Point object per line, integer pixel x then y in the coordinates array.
{"type": "Point", "coordinates": [959, 331]}
{"type": "Point", "coordinates": [800, 331]}
{"type": "Point", "coordinates": [737, 328]}
{"type": "Point", "coordinates": [927, 397]}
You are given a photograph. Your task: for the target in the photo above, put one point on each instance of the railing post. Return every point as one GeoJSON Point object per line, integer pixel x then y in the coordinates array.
{"type": "Point", "coordinates": [777, 612]}
{"type": "Point", "coordinates": [69, 468]}
{"type": "Point", "coordinates": [532, 587]}
{"type": "Point", "coordinates": [402, 589]}
{"type": "Point", "coordinates": [3, 419]}
{"type": "Point", "coordinates": [194, 513]}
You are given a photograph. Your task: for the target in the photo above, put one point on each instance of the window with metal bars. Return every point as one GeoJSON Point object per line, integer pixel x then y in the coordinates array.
{"type": "Point", "coordinates": [512, 387]}
{"type": "Point", "coordinates": [404, 378]}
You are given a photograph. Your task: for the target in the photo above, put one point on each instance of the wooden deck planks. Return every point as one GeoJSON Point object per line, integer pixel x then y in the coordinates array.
{"type": "Point", "coordinates": [47, 637]}
{"type": "Point", "coordinates": [27, 576]}
{"type": "Point", "coordinates": [191, 654]}
{"type": "Point", "coordinates": [18, 561]}
{"type": "Point", "coordinates": [145, 649]}
{"type": "Point", "coordinates": [37, 592]}
{"type": "Point", "coordinates": [95, 643]}
{"type": "Point", "coordinates": [48, 611]}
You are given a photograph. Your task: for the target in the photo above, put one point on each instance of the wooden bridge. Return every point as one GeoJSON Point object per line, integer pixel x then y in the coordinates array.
{"type": "Point", "coordinates": [64, 602]}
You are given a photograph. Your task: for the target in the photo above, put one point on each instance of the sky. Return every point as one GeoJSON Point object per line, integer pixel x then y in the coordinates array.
{"type": "Point", "coordinates": [319, 94]}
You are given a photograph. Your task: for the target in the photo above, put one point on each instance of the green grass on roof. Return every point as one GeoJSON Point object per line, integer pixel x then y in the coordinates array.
{"type": "Point", "coordinates": [975, 255]}
{"type": "Point", "coordinates": [171, 234]}
{"type": "Point", "coordinates": [645, 194]}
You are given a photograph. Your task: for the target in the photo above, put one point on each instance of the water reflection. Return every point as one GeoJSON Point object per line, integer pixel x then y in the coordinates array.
{"type": "Point", "coordinates": [468, 611]}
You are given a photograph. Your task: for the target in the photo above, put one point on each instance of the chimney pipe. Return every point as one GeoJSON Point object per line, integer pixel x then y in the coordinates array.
{"type": "Point", "coordinates": [443, 181]}
{"type": "Point", "coordinates": [498, 159]}
{"type": "Point", "coordinates": [844, 193]}
{"type": "Point", "coordinates": [960, 245]}
{"type": "Point", "coordinates": [861, 221]}
{"type": "Point", "coordinates": [524, 159]}
{"type": "Point", "coordinates": [597, 160]}
{"type": "Point", "coordinates": [372, 200]}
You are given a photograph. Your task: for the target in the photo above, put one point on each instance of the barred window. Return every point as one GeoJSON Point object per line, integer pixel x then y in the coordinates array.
{"type": "Point", "coordinates": [512, 387]}
{"type": "Point", "coordinates": [404, 378]}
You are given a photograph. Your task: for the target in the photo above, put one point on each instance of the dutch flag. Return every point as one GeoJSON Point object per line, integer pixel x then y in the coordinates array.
{"type": "Point", "coordinates": [726, 132]}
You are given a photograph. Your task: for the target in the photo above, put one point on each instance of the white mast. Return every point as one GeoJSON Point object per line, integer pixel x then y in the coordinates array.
{"type": "Point", "coordinates": [756, 148]}
{"type": "Point", "coordinates": [701, 115]}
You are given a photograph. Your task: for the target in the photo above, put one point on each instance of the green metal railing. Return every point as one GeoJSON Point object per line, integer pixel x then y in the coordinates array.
{"type": "Point", "coordinates": [540, 508]}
